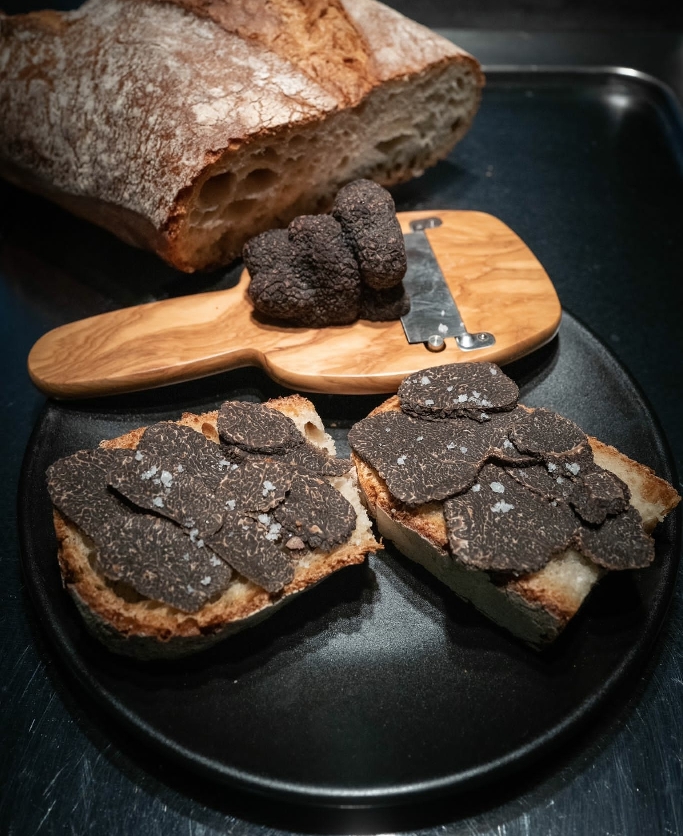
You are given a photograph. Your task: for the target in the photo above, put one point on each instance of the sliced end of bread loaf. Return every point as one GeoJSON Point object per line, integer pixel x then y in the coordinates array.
{"type": "Point", "coordinates": [136, 626]}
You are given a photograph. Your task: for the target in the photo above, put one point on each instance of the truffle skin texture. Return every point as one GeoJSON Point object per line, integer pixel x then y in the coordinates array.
{"type": "Point", "coordinates": [367, 215]}
{"type": "Point", "coordinates": [306, 275]}
{"type": "Point", "coordinates": [384, 305]}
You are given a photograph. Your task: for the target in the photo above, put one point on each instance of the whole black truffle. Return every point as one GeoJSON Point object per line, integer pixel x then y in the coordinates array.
{"type": "Point", "coordinates": [306, 274]}
{"type": "Point", "coordinates": [332, 269]}
{"type": "Point", "coordinates": [384, 305]}
{"type": "Point", "coordinates": [367, 215]}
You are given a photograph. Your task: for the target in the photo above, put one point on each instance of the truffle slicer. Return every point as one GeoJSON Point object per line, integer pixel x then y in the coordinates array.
{"type": "Point", "coordinates": [498, 287]}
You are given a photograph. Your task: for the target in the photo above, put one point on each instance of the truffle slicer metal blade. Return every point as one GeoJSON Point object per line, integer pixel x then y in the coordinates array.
{"type": "Point", "coordinates": [433, 316]}
{"type": "Point", "coordinates": [506, 307]}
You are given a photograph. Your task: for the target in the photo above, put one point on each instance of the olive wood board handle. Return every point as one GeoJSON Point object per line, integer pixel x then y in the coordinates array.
{"type": "Point", "coordinates": [498, 285]}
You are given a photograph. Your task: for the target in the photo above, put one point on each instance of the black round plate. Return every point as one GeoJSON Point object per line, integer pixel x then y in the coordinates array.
{"type": "Point", "coordinates": [378, 687]}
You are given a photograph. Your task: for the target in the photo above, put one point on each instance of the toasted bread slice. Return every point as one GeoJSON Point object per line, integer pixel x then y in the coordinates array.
{"type": "Point", "coordinates": [133, 625]}
{"type": "Point", "coordinates": [535, 607]}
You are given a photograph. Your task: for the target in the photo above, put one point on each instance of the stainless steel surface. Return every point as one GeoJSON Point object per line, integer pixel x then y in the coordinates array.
{"type": "Point", "coordinates": [433, 312]}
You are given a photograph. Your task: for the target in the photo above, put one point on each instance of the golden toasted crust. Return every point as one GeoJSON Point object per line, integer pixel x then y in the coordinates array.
{"type": "Point", "coordinates": [129, 623]}
{"type": "Point", "coordinates": [535, 607]}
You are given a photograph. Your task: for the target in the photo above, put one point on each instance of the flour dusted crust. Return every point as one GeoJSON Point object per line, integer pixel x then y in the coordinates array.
{"type": "Point", "coordinates": [534, 607]}
{"type": "Point", "coordinates": [130, 624]}
{"type": "Point", "coordinates": [187, 126]}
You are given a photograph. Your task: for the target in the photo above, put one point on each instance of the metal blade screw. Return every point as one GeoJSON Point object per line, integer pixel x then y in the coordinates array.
{"type": "Point", "coordinates": [436, 343]}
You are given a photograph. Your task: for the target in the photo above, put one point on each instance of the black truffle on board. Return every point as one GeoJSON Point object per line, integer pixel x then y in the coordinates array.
{"type": "Point", "coordinates": [367, 215]}
{"type": "Point", "coordinates": [384, 305]}
{"type": "Point", "coordinates": [331, 269]}
{"type": "Point", "coordinates": [306, 274]}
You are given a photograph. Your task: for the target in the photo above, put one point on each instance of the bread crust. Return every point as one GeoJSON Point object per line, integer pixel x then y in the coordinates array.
{"type": "Point", "coordinates": [132, 625]}
{"type": "Point", "coordinates": [122, 110]}
{"type": "Point", "coordinates": [534, 607]}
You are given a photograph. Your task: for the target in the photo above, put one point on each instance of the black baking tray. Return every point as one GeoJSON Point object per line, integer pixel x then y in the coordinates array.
{"type": "Point", "coordinates": [398, 691]}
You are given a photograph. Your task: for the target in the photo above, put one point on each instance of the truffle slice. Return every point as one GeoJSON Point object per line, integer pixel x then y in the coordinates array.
{"type": "Point", "coordinates": [159, 487]}
{"type": "Point", "coordinates": [258, 485]}
{"type": "Point", "coordinates": [543, 433]}
{"type": "Point", "coordinates": [384, 305]}
{"type": "Point", "coordinates": [252, 548]}
{"type": "Point", "coordinates": [257, 428]}
{"type": "Point", "coordinates": [460, 389]}
{"type": "Point", "coordinates": [188, 449]}
{"type": "Point", "coordinates": [499, 525]}
{"type": "Point", "coordinates": [547, 483]}
{"type": "Point", "coordinates": [420, 461]}
{"type": "Point", "coordinates": [310, 459]}
{"type": "Point", "coordinates": [316, 513]}
{"type": "Point", "coordinates": [153, 556]}
{"type": "Point", "coordinates": [78, 488]}
{"type": "Point", "coordinates": [425, 461]}
{"type": "Point", "coordinates": [599, 494]}
{"type": "Point", "coordinates": [367, 215]}
{"type": "Point", "coordinates": [619, 543]}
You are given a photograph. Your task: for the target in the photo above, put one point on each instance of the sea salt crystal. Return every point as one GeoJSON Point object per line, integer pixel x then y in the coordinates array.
{"type": "Point", "coordinates": [205, 581]}
{"type": "Point", "coordinates": [138, 456]}
{"type": "Point", "coordinates": [273, 531]}
{"type": "Point", "coordinates": [450, 445]}
{"type": "Point", "coordinates": [166, 478]}
{"type": "Point", "coordinates": [502, 506]}
{"type": "Point", "coordinates": [264, 518]}
{"type": "Point", "coordinates": [158, 501]}
{"type": "Point", "coordinates": [462, 398]}
{"type": "Point", "coordinates": [449, 388]}
{"type": "Point", "coordinates": [149, 473]}
{"type": "Point", "coordinates": [463, 449]}
{"type": "Point", "coordinates": [230, 504]}
{"type": "Point", "coordinates": [496, 487]}
{"type": "Point", "coordinates": [476, 487]}
{"type": "Point", "coordinates": [179, 468]}
{"type": "Point", "coordinates": [572, 467]}
{"type": "Point", "coordinates": [551, 467]}
{"type": "Point", "coordinates": [559, 480]}
{"type": "Point", "coordinates": [420, 438]}
{"type": "Point", "coordinates": [493, 371]}
{"type": "Point", "coordinates": [442, 329]}
{"type": "Point", "coordinates": [223, 463]}
{"type": "Point", "coordinates": [429, 402]}
{"type": "Point", "coordinates": [425, 381]}
{"type": "Point", "coordinates": [214, 561]}
{"type": "Point", "coordinates": [268, 487]}
{"type": "Point", "coordinates": [401, 460]}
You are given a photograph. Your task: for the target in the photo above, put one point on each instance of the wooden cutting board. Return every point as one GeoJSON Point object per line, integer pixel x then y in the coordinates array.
{"type": "Point", "coordinates": [497, 283]}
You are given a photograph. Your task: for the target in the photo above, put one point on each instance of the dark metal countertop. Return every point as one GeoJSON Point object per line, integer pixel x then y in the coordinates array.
{"type": "Point", "coordinates": [66, 768]}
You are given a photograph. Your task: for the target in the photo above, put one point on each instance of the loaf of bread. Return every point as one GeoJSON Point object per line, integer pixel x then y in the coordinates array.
{"type": "Point", "coordinates": [534, 606]}
{"type": "Point", "coordinates": [188, 126]}
{"type": "Point", "coordinates": [136, 625]}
